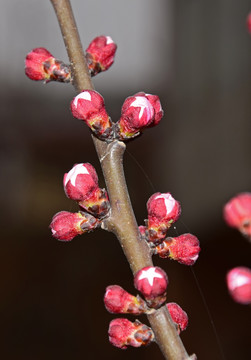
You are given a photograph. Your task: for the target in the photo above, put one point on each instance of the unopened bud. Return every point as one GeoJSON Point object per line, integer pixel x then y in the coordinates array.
{"type": "Point", "coordinates": [80, 181]}
{"type": "Point", "coordinates": [100, 54]}
{"type": "Point", "coordinates": [155, 102]}
{"type": "Point", "coordinates": [40, 64]}
{"type": "Point", "coordinates": [137, 113]}
{"type": "Point", "coordinates": [178, 315]}
{"type": "Point", "coordinates": [239, 284]}
{"type": "Point", "coordinates": [152, 283]}
{"type": "Point", "coordinates": [237, 213]}
{"type": "Point", "coordinates": [184, 248]}
{"type": "Point", "coordinates": [66, 225]}
{"type": "Point", "coordinates": [249, 23]}
{"type": "Point", "coordinates": [119, 301]}
{"type": "Point", "coordinates": [89, 106]}
{"type": "Point", "coordinates": [81, 184]}
{"type": "Point", "coordinates": [163, 210]}
{"type": "Point", "coordinates": [123, 333]}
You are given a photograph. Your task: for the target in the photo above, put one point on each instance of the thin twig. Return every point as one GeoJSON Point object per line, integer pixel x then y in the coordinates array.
{"type": "Point", "coordinates": [121, 221]}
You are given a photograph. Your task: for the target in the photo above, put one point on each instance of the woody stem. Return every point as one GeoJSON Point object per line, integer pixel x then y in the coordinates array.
{"type": "Point", "coordinates": [122, 220]}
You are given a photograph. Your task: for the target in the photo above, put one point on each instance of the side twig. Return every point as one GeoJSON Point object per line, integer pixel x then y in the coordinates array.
{"type": "Point", "coordinates": [121, 221]}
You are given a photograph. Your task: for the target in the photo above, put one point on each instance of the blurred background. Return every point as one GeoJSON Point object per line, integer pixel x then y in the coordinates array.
{"type": "Point", "coordinates": [196, 55]}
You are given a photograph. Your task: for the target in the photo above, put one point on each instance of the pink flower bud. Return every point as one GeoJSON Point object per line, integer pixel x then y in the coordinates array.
{"type": "Point", "coordinates": [40, 64]}
{"type": "Point", "coordinates": [119, 301]}
{"type": "Point", "coordinates": [152, 283]}
{"type": "Point", "coordinates": [239, 284]}
{"type": "Point", "coordinates": [100, 54]}
{"type": "Point", "coordinates": [136, 114]}
{"type": "Point", "coordinates": [155, 102]}
{"type": "Point", "coordinates": [237, 213]}
{"type": "Point", "coordinates": [249, 23]}
{"type": "Point", "coordinates": [178, 315]}
{"type": "Point", "coordinates": [65, 225]}
{"type": "Point", "coordinates": [80, 181]}
{"type": "Point", "coordinates": [123, 333]}
{"type": "Point", "coordinates": [184, 248]}
{"type": "Point", "coordinates": [163, 210]}
{"type": "Point", "coordinates": [81, 184]}
{"type": "Point", "coordinates": [89, 106]}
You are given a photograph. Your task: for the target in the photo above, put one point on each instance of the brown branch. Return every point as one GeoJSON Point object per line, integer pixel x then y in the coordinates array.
{"type": "Point", "coordinates": [121, 221]}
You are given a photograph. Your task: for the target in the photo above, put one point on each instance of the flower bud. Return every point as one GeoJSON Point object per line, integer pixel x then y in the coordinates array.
{"type": "Point", "coordinates": [80, 181]}
{"type": "Point", "coordinates": [178, 315]}
{"type": "Point", "coordinates": [119, 301]}
{"type": "Point", "coordinates": [123, 333]}
{"type": "Point", "coordinates": [81, 184]}
{"type": "Point", "coordinates": [239, 284]}
{"type": "Point", "coordinates": [155, 102]}
{"type": "Point", "coordinates": [100, 54]}
{"type": "Point", "coordinates": [163, 210]}
{"type": "Point", "coordinates": [66, 225]}
{"type": "Point", "coordinates": [237, 213]}
{"type": "Point", "coordinates": [152, 283]}
{"type": "Point", "coordinates": [184, 248]}
{"type": "Point", "coordinates": [137, 113]}
{"type": "Point", "coordinates": [40, 64]}
{"type": "Point", "coordinates": [89, 106]}
{"type": "Point", "coordinates": [249, 23]}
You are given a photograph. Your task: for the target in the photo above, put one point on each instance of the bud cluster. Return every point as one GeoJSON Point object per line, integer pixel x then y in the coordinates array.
{"type": "Point", "coordinates": [40, 64]}
{"type": "Point", "coordinates": [163, 210]}
{"type": "Point", "coordinates": [152, 283]}
{"type": "Point", "coordinates": [81, 185]}
{"type": "Point", "coordinates": [138, 112]}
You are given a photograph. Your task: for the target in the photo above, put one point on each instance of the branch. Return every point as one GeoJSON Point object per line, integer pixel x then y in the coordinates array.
{"type": "Point", "coordinates": [121, 221]}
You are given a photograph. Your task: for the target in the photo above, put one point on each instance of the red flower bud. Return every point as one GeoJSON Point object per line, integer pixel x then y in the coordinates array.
{"type": "Point", "coordinates": [249, 23]}
{"type": "Point", "coordinates": [89, 106]}
{"type": "Point", "coordinates": [80, 181]}
{"type": "Point", "coordinates": [178, 315]}
{"type": "Point", "coordinates": [136, 114]}
{"type": "Point", "coordinates": [163, 210]}
{"type": "Point", "coordinates": [239, 284]}
{"type": "Point", "coordinates": [81, 184]}
{"type": "Point", "coordinates": [237, 213]}
{"type": "Point", "coordinates": [65, 225]}
{"type": "Point", "coordinates": [119, 301]}
{"type": "Point", "coordinates": [100, 54]}
{"type": "Point", "coordinates": [152, 283]}
{"type": "Point", "coordinates": [123, 333]}
{"type": "Point", "coordinates": [40, 64]}
{"type": "Point", "coordinates": [155, 102]}
{"type": "Point", "coordinates": [184, 248]}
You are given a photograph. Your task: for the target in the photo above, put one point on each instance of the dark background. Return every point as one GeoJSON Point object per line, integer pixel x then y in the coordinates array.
{"type": "Point", "coordinates": [195, 54]}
